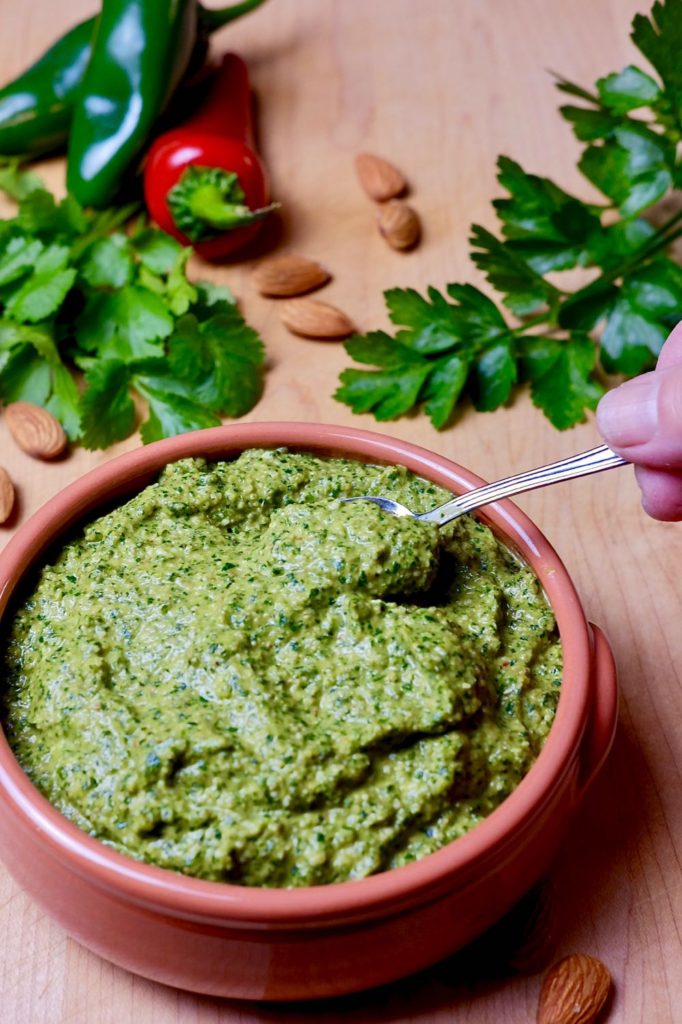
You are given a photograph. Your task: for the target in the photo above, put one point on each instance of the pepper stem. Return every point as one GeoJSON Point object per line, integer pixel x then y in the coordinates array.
{"type": "Point", "coordinates": [208, 205]}
{"type": "Point", "coordinates": [212, 19]}
{"type": "Point", "coordinates": [207, 200]}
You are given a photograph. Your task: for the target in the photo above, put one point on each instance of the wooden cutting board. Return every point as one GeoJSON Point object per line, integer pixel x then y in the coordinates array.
{"type": "Point", "coordinates": [441, 87]}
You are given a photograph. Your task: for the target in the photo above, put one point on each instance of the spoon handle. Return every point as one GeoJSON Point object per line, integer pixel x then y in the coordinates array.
{"type": "Point", "coordinates": [593, 461]}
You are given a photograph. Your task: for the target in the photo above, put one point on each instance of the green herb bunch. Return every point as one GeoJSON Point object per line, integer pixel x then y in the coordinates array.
{"type": "Point", "coordinates": [78, 294]}
{"type": "Point", "coordinates": [561, 341]}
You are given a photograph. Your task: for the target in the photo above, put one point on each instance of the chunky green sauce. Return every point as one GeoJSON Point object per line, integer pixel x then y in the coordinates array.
{"type": "Point", "coordinates": [239, 677]}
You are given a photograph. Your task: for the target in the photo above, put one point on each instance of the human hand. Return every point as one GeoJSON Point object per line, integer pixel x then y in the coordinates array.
{"type": "Point", "coordinates": [642, 421]}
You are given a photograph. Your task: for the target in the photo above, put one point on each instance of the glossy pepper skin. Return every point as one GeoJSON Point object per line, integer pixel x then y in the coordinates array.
{"type": "Point", "coordinates": [184, 164]}
{"type": "Point", "coordinates": [140, 51]}
{"type": "Point", "coordinates": [35, 109]}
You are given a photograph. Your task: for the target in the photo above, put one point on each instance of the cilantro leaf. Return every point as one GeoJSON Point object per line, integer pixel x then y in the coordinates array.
{"type": "Point", "coordinates": [157, 251]}
{"type": "Point", "coordinates": [107, 410]}
{"type": "Point", "coordinates": [77, 292]}
{"type": "Point", "coordinates": [25, 377]}
{"type": "Point", "coordinates": [133, 312]}
{"type": "Point", "coordinates": [15, 181]}
{"type": "Point", "coordinates": [65, 402]}
{"type": "Point", "coordinates": [43, 292]}
{"type": "Point", "coordinates": [180, 293]}
{"type": "Point", "coordinates": [18, 258]}
{"type": "Point", "coordinates": [221, 359]}
{"type": "Point", "coordinates": [171, 413]}
{"type": "Point", "coordinates": [40, 215]}
{"type": "Point", "coordinates": [39, 374]}
{"type": "Point", "coordinates": [108, 263]}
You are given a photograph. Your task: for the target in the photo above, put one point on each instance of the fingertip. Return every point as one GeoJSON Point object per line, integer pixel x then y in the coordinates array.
{"type": "Point", "coordinates": [661, 493]}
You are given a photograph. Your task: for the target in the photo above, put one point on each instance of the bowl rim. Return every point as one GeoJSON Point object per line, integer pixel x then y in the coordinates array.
{"type": "Point", "coordinates": [380, 894]}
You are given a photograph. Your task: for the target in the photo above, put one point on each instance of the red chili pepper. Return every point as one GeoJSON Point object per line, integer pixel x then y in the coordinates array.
{"type": "Point", "coordinates": [203, 183]}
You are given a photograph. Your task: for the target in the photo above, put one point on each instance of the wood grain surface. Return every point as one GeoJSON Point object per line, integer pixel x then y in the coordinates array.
{"type": "Point", "coordinates": [440, 87]}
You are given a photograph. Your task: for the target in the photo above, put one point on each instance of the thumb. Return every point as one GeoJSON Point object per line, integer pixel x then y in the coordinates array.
{"type": "Point", "coordinates": [642, 419]}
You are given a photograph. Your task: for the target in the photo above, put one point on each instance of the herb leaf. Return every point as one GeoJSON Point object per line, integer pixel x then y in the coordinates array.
{"type": "Point", "coordinates": [562, 382]}
{"type": "Point", "coordinates": [461, 344]}
{"type": "Point", "coordinates": [77, 292]}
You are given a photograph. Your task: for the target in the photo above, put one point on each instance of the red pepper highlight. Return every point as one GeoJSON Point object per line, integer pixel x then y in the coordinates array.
{"type": "Point", "coordinates": [203, 182]}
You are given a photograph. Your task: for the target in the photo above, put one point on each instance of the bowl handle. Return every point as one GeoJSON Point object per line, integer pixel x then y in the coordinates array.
{"type": "Point", "coordinates": [603, 715]}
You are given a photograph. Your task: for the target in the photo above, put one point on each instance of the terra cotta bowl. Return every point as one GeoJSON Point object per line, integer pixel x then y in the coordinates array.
{"type": "Point", "coordinates": [252, 943]}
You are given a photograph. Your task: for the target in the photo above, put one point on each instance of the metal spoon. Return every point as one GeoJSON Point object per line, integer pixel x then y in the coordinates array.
{"type": "Point", "coordinates": [593, 461]}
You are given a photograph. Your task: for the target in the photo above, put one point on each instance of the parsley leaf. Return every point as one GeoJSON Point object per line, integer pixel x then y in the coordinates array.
{"type": "Point", "coordinates": [633, 167]}
{"type": "Point", "coordinates": [467, 333]}
{"type": "Point", "coordinates": [524, 289]}
{"type": "Point", "coordinates": [548, 227]}
{"type": "Point", "coordinates": [461, 344]}
{"type": "Point", "coordinates": [496, 373]}
{"type": "Point", "coordinates": [561, 374]}
{"type": "Point", "coordinates": [628, 90]}
{"type": "Point", "coordinates": [659, 38]}
{"type": "Point", "coordinates": [444, 385]}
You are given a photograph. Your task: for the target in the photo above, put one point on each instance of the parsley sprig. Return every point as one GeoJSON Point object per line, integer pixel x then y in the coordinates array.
{"type": "Point", "coordinates": [561, 341]}
{"type": "Point", "coordinates": [91, 315]}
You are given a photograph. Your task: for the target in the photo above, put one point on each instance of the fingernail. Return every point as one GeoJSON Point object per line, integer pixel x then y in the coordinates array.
{"type": "Point", "coordinates": [629, 414]}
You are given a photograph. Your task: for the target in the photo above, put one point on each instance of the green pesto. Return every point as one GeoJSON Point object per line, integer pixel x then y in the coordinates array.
{"type": "Point", "coordinates": [239, 677]}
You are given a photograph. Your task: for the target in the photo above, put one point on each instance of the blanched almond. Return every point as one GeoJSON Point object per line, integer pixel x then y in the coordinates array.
{"type": "Point", "coordinates": [379, 178]}
{"type": "Point", "coordinates": [399, 224]}
{"type": "Point", "coordinates": [35, 430]}
{"type": "Point", "coordinates": [6, 496]}
{"type": "Point", "coordinates": [314, 319]}
{"type": "Point", "coordinates": [289, 275]}
{"type": "Point", "coordinates": [574, 991]}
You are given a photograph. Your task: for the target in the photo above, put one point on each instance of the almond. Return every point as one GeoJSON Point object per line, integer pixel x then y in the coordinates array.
{"type": "Point", "coordinates": [35, 430]}
{"type": "Point", "coordinates": [574, 991]}
{"type": "Point", "coordinates": [380, 179]}
{"type": "Point", "coordinates": [314, 319]}
{"type": "Point", "coordinates": [399, 224]}
{"type": "Point", "coordinates": [289, 275]}
{"type": "Point", "coordinates": [6, 496]}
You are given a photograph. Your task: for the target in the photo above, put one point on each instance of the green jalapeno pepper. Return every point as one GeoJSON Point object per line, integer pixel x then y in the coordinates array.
{"type": "Point", "coordinates": [140, 51]}
{"type": "Point", "coordinates": [36, 109]}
